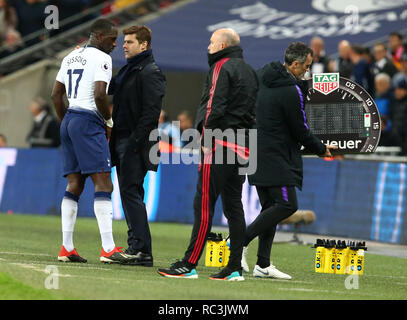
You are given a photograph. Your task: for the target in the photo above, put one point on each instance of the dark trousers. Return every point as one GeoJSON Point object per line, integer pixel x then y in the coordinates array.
{"type": "Point", "coordinates": [277, 203]}
{"type": "Point", "coordinates": [214, 180]}
{"type": "Point", "coordinates": [131, 172]}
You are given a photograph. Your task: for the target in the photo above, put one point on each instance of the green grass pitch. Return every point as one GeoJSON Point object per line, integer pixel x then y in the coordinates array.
{"type": "Point", "coordinates": [29, 246]}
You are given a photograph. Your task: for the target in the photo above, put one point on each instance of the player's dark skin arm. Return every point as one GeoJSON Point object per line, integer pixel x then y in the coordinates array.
{"type": "Point", "coordinates": [57, 98]}
{"type": "Point", "coordinates": [102, 103]}
{"type": "Point", "coordinates": [101, 100]}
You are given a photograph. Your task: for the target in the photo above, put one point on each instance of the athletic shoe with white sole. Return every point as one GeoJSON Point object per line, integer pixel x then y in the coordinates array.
{"type": "Point", "coordinates": [227, 274]}
{"type": "Point", "coordinates": [70, 256]}
{"type": "Point", "coordinates": [115, 256]}
{"type": "Point", "coordinates": [179, 269]}
{"type": "Point", "coordinates": [245, 266]}
{"type": "Point", "coordinates": [270, 272]}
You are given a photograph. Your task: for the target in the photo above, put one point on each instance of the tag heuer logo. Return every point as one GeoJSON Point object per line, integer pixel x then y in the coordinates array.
{"type": "Point", "coordinates": [325, 82]}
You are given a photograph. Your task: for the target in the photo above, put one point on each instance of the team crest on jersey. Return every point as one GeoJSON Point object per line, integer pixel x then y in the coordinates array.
{"type": "Point", "coordinates": [325, 82]}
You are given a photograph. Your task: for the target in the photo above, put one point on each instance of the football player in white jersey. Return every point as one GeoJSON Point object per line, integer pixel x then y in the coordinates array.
{"type": "Point", "coordinates": [84, 77]}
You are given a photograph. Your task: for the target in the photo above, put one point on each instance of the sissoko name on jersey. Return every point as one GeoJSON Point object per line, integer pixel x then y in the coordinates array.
{"type": "Point", "coordinates": [79, 71]}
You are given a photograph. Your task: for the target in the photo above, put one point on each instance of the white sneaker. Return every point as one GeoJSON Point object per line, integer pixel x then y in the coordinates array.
{"type": "Point", "coordinates": [269, 272]}
{"type": "Point", "coordinates": [245, 266]}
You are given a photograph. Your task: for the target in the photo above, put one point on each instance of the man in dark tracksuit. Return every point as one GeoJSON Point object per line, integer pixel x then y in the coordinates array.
{"type": "Point", "coordinates": [281, 130]}
{"type": "Point", "coordinates": [138, 90]}
{"type": "Point", "coordinates": [228, 102]}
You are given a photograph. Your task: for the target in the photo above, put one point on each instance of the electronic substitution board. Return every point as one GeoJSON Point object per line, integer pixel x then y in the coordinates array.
{"type": "Point", "coordinates": [340, 112]}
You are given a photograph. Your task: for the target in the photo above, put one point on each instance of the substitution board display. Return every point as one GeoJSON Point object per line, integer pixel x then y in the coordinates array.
{"type": "Point", "coordinates": [340, 112]}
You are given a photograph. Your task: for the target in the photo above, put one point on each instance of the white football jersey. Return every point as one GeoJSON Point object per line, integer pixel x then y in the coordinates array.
{"type": "Point", "coordinates": [79, 71]}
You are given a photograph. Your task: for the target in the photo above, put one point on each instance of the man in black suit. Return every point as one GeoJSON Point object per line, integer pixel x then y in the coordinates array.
{"type": "Point", "coordinates": [138, 90]}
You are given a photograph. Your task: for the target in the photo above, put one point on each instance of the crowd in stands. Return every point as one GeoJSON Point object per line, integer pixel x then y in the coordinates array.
{"type": "Point", "coordinates": [21, 20]}
{"type": "Point", "coordinates": [382, 71]}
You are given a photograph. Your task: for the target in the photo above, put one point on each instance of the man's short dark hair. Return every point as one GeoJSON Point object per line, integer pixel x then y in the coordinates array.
{"type": "Point", "coordinates": [297, 51]}
{"type": "Point", "coordinates": [358, 49]}
{"type": "Point", "coordinates": [381, 44]}
{"type": "Point", "coordinates": [396, 34]}
{"type": "Point", "coordinates": [186, 113]}
{"type": "Point", "coordinates": [101, 25]}
{"type": "Point", "coordinates": [142, 33]}
{"type": "Point", "coordinates": [41, 103]}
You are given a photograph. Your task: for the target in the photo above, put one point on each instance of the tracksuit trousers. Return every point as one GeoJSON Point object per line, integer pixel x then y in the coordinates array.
{"type": "Point", "coordinates": [214, 180]}
{"type": "Point", "coordinates": [277, 203]}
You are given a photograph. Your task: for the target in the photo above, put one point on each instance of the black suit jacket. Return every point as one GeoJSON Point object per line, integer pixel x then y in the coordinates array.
{"type": "Point", "coordinates": [141, 90]}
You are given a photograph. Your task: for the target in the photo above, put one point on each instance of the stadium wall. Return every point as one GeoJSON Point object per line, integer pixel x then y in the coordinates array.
{"type": "Point", "coordinates": [354, 199]}
{"type": "Point", "coordinates": [16, 92]}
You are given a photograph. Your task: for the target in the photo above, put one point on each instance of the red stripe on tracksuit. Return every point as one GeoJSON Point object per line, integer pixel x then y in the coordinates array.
{"type": "Point", "coordinates": [243, 152]}
{"type": "Point", "coordinates": [200, 242]}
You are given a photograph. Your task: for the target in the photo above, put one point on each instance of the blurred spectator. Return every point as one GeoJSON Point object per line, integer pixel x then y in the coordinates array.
{"type": "Point", "coordinates": [388, 137]}
{"type": "Point", "coordinates": [45, 129]}
{"type": "Point", "coordinates": [382, 62]}
{"type": "Point", "coordinates": [168, 132]}
{"type": "Point", "coordinates": [3, 141]}
{"type": "Point", "coordinates": [400, 90]}
{"type": "Point", "coordinates": [92, 3]}
{"type": "Point", "coordinates": [361, 73]}
{"type": "Point", "coordinates": [342, 64]}
{"type": "Point", "coordinates": [383, 93]}
{"type": "Point", "coordinates": [367, 56]}
{"type": "Point", "coordinates": [185, 120]}
{"type": "Point", "coordinates": [120, 4]}
{"type": "Point", "coordinates": [67, 9]}
{"type": "Point", "coordinates": [107, 8]}
{"type": "Point", "coordinates": [31, 17]}
{"type": "Point", "coordinates": [398, 114]}
{"type": "Point", "coordinates": [10, 39]}
{"type": "Point", "coordinates": [320, 61]}
{"type": "Point", "coordinates": [403, 71]}
{"type": "Point", "coordinates": [396, 48]}
{"type": "Point", "coordinates": [191, 137]}
{"type": "Point", "coordinates": [8, 19]}
{"type": "Point", "coordinates": [164, 3]}
{"type": "Point", "coordinates": [11, 44]}
{"type": "Point", "coordinates": [145, 7]}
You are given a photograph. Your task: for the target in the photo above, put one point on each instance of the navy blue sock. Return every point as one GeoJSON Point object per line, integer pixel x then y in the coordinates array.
{"type": "Point", "coordinates": [71, 196]}
{"type": "Point", "coordinates": [103, 195]}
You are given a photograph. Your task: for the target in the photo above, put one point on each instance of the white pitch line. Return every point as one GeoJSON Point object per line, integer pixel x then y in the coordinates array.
{"type": "Point", "coordinates": [383, 276]}
{"type": "Point", "coordinates": [57, 263]}
{"type": "Point", "coordinates": [280, 280]}
{"type": "Point", "coordinates": [71, 265]}
{"type": "Point", "coordinates": [318, 290]}
{"type": "Point", "coordinates": [34, 268]}
{"type": "Point", "coordinates": [27, 254]}
{"type": "Point", "coordinates": [66, 265]}
{"type": "Point", "coordinates": [347, 292]}
{"type": "Point", "coordinates": [32, 265]}
{"type": "Point", "coordinates": [304, 289]}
